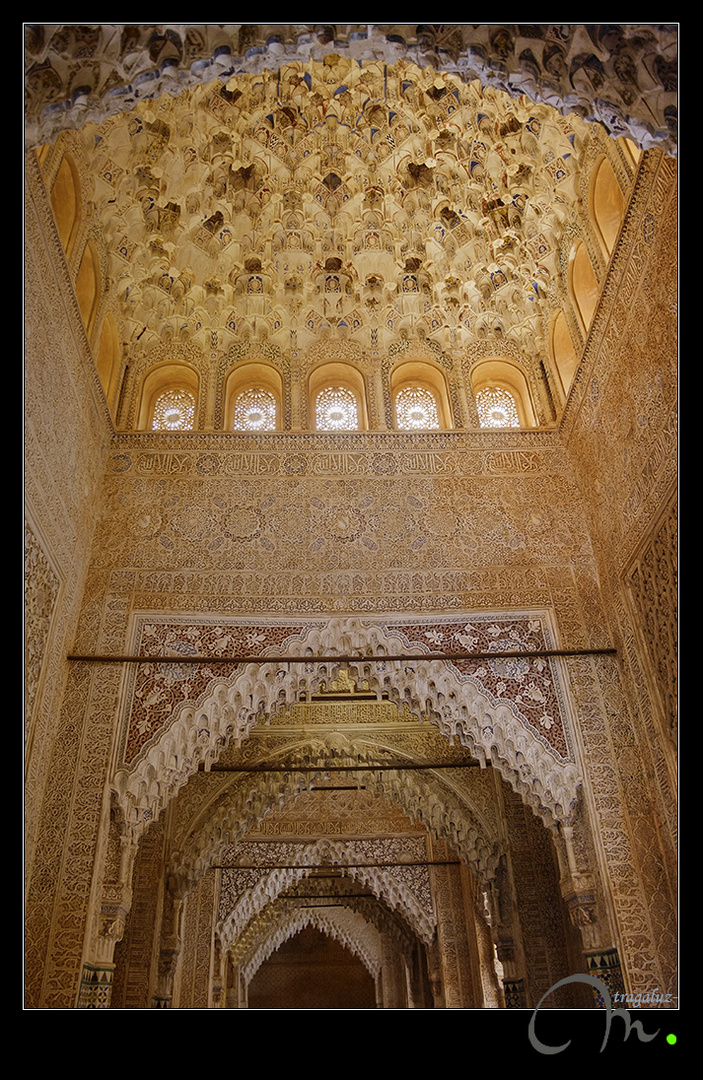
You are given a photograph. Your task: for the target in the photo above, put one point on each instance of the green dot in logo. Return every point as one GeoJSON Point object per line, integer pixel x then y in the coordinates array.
{"type": "Point", "coordinates": [671, 1039]}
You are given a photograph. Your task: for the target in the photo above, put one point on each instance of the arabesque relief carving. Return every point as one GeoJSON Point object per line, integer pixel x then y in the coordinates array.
{"type": "Point", "coordinates": [400, 671]}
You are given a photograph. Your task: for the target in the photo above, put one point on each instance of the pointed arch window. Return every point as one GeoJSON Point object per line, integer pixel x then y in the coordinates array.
{"type": "Point", "coordinates": [88, 286]}
{"type": "Point", "coordinates": [174, 410]}
{"type": "Point", "coordinates": [336, 409]}
{"type": "Point", "coordinates": [583, 286]}
{"type": "Point", "coordinates": [607, 205]}
{"type": "Point", "coordinates": [66, 202]}
{"type": "Point", "coordinates": [562, 351]}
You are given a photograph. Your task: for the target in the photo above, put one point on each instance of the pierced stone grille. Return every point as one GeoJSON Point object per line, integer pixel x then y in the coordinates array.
{"type": "Point", "coordinates": [336, 410]}
{"type": "Point", "coordinates": [416, 408]}
{"type": "Point", "coordinates": [255, 410]}
{"type": "Point", "coordinates": [174, 411]}
{"type": "Point", "coordinates": [496, 408]}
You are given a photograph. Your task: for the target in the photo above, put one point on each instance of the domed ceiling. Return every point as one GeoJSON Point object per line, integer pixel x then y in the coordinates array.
{"type": "Point", "coordinates": [325, 191]}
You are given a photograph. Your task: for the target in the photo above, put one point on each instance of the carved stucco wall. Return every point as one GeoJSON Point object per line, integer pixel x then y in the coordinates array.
{"type": "Point", "coordinates": [63, 478]}
{"type": "Point", "coordinates": [622, 433]}
{"type": "Point", "coordinates": [573, 521]}
{"type": "Point", "coordinates": [622, 437]}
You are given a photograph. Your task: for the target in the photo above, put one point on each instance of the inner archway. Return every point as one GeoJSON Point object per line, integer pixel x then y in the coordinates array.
{"type": "Point", "coordinates": [349, 815]}
{"type": "Point", "coordinates": [312, 971]}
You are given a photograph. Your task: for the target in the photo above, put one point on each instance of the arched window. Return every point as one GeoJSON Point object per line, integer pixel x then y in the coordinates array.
{"type": "Point", "coordinates": [168, 398]}
{"type": "Point", "coordinates": [496, 408]}
{"type": "Point", "coordinates": [563, 353]}
{"type": "Point", "coordinates": [108, 358]}
{"type": "Point", "coordinates": [420, 396]}
{"type": "Point", "coordinates": [255, 410]}
{"type": "Point", "coordinates": [336, 410]}
{"type": "Point", "coordinates": [174, 410]}
{"type": "Point", "coordinates": [66, 202]}
{"type": "Point", "coordinates": [583, 285]}
{"type": "Point", "coordinates": [253, 397]}
{"type": "Point", "coordinates": [416, 409]}
{"type": "Point", "coordinates": [607, 205]}
{"type": "Point", "coordinates": [88, 286]}
{"type": "Point", "coordinates": [337, 397]}
{"type": "Point", "coordinates": [502, 394]}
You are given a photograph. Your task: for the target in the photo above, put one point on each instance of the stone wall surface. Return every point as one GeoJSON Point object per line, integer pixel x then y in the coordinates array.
{"type": "Point", "coordinates": [63, 477]}
{"type": "Point", "coordinates": [175, 544]}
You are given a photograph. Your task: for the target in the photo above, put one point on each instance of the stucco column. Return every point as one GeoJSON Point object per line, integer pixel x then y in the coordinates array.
{"type": "Point", "coordinates": [601, 958]}
{"type": "Point", "coordinates": [169, 950]}
{"type": "Point", "coordinates": [377, 418]}
{"type": "Point", "coordinates": [296, 421]}
{"type": "Point", "coordinates": [502, 906]}
{"type": "Point", "coordinates": [237, 992]}
{"type": "Point", "coordinates": [393, 976]}
{"type": "Point", "coordinates": [457, 952]}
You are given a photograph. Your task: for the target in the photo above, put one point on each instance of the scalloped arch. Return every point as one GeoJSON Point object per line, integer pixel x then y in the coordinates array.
{"type": "Point", "coordinates": [423, 799]}
{"type": "Point", "coordinates": [361, 941]}
{"type": "Point", "coordinates": [382, 883]}
{"type": "Point", "coordinates": [430, 688]}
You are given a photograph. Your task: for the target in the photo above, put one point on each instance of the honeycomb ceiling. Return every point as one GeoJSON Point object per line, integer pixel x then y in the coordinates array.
{"type": "Point", "coordinates": [325, 194]}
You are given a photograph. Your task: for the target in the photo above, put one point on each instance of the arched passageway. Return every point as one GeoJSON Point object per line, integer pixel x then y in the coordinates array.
{"type": "Point", "coordinates": [344, 809]}
{"type": "Point", "coordinates": [312, 971]}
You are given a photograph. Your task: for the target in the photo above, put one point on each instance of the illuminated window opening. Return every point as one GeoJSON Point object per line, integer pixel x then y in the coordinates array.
{"type": "Point", "coordinates": [255, 410]}
{"type": "Point", "coordinates": [496, 408]}
{"type": "Point", "coordinates": [336, 410]}
{"type": "Point", "coordinates": [502, 394]}
{"type": "Point", "coordinates": [174, 410]}
{"type": "Point", "coordinates": [416, 409]}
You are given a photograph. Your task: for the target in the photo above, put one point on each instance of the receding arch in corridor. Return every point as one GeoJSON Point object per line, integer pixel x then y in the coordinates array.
{"type": "Point", "coordinates": [257, 833]}
{"type": "Point", "coordinates": [442, 806]}
{"type": "Point", "coordinates": [312, 969]}
{"type": "Point", "coordinates": [259, 909]}
{"type": "Point", "coordinates": [365, 912]}
{"type": "Point", "coordinates": [376, 709]}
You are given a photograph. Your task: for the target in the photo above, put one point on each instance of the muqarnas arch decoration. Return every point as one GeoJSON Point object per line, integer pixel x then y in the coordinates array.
{"type": "Point", "coordinates": [511, 712]}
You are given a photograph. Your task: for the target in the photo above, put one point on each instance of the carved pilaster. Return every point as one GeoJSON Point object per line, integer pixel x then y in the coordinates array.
{"type": "Point", "coordinates": [455, 931]}
{"type": "Point", "coordinates": [393, 975]}
{"type": "Point", "coordinates": [168, 959]}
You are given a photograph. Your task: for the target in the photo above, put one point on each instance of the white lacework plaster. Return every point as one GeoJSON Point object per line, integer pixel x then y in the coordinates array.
{"type": "Point", "coordinates": [423, 798]}
{"type": "Point", "coordinates": [490, 727]}
{"type": "Point", "coordinates": [382, 882]}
